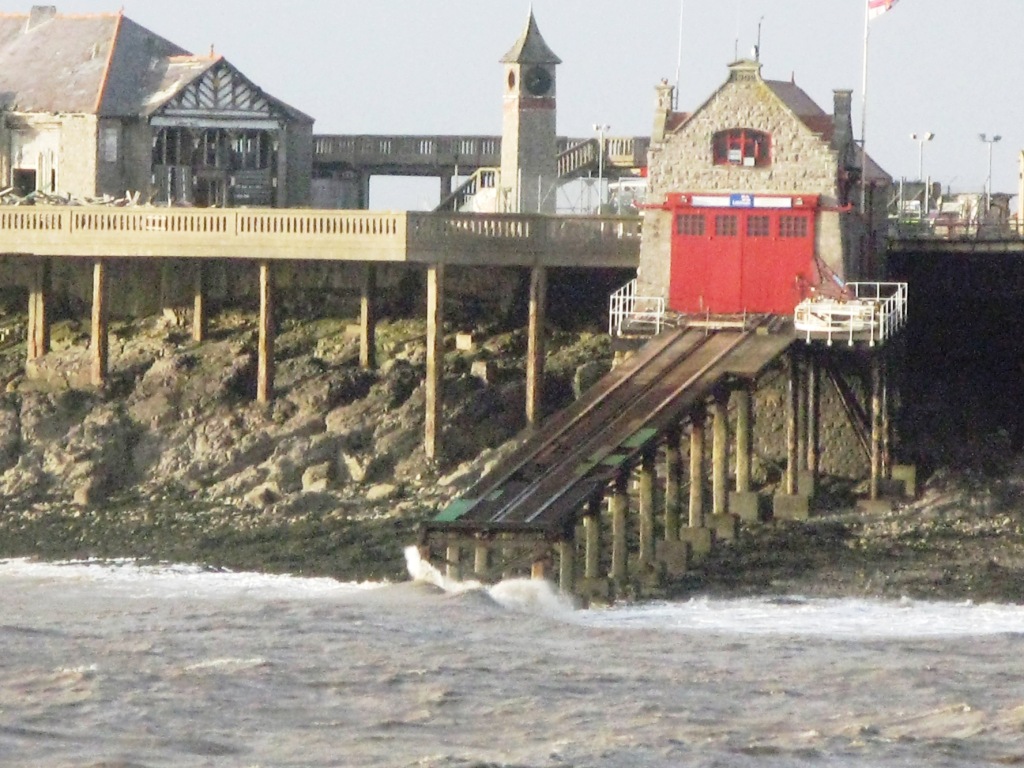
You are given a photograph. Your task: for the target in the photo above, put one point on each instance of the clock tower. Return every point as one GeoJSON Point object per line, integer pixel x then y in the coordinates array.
{"type": "Point", "coordinates": [529, 147]}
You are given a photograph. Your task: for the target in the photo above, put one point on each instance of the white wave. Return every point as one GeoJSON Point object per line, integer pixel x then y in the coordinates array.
{"type": "Point", "coordinates": [171, 581]}
{"type": "Point", "coordinates": [528, 595]}
{"type": "Point", "coordinates": [833, 618]}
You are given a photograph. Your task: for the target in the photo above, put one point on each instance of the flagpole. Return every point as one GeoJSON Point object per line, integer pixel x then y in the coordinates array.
{"type": "Point", "coordinates": [864, 117]}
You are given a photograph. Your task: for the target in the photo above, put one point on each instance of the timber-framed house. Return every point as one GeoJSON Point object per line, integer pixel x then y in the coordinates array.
{"type": "Point", "coordinates": [97, 105]}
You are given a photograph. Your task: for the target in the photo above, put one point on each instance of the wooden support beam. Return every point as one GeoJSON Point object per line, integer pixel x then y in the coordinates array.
{"type": "Point", "coordinates": [646, 504]}
{"type": "Point", "coordinates": [697, 418]}
{"type": "Point", "coordinates": [566, 564]}
{"type": "Point", "coordinates": [619, 503]}
{"type": "Point", "coordinates": [100, 346]}
{"type": "Point", "coordinates": [673, 484]}
{"type": "Point", "coordinates": [802, 417]}
{"type": "Point", "coordinates": [813, 418]}
{"type": "Point", "coordinates": [265, 351]}
{"type": "Point", "coordinates": [792, 407]}
{"type": "Point", "coordinates": [199, 319]}
{"type": "Point", "coordinates": [368, 319]}
{"type": "Point", "coordinates": [38, 313]}
{"type": "Point", "coordinates": [453, 562]}
{"type": "Point", "coordinates": [482, 560]}
{"type": "Point", "coordinates": [720, 453]}
{"type": "Point", "coordinates": [592, 529]}
{"type": "Point", "coordinates": [435, 360]}
{"type": "Point", "coordinates": [535, 347]}
{"type": "Point", "coordinates": [744, 446]}
{"type": "Point", "coordinates": [876, 426]}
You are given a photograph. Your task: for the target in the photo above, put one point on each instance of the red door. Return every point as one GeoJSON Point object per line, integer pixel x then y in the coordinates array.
{"type": "Point", "coordinates": [753, 259]}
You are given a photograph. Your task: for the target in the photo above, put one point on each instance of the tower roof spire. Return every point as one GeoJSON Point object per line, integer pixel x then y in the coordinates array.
{"type": "Point", "coordinates": [530, 48]}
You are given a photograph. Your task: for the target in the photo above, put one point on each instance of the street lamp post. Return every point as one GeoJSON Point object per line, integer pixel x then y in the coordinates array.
{"type": "Point", "coordinates": [600, 163]}
{"type": "Point", "coordinates": [990, 140]}
{"type": "Point", "coordinates": [921, 140]}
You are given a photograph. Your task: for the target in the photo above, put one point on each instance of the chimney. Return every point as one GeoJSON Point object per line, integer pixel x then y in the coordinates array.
{"type": "Point", "coordinates": [842, 119]}
{"type": "Point", "coordinates": [40, 14]}
{"type": "Point", "coordinates": [662, 110]}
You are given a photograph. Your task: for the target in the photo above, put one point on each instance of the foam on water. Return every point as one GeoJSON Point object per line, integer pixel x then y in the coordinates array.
{"type": "Point", "coordinates": [171, 581]}
{"type": "Point", "coordinates": [834, 618]}
{"type": "Point", "coordinates": [527, 595]}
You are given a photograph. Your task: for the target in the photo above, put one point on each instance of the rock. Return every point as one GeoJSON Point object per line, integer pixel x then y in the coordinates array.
{"type": "Point", "coordinates": [586, 376]}
{"type": "Point", "coordinates": [316, 478]}
{"type": "Point", "coordinates": [366, 469]}
{"type": "Point", "coordinates": [381, 492]}
{"type": "Point", "coordinates": [263, 496]}
{"type": "Point", "coordinates": [484, 370]}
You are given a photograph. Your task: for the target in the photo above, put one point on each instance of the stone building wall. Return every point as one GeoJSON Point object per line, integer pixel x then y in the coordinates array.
{"type": "Point", "coordinates": [802, 163]}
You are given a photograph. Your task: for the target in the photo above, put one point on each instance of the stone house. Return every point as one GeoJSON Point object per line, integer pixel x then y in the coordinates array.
{"type": "Point", "coordinates": [97, 105]}
{"type": "Point", "coordinates": [753, 199]}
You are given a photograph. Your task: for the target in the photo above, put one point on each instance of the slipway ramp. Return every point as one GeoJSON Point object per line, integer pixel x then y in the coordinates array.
{"type": "Point", "coordinates": [544, 486]}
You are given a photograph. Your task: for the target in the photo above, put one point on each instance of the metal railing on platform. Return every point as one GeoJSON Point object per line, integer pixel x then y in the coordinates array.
{"type": "Point", "coordinates": [874, 313]}
{"type": "Point", "coordinates": [629, 312]}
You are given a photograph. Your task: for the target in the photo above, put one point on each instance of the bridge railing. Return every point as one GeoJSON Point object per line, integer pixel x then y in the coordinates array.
{"type": "Point", "coordinates": [276, 234]}
{"type": "Point", "coordinates": [471, 151]}
{"type": "Point", "coordinates": [874, 313]}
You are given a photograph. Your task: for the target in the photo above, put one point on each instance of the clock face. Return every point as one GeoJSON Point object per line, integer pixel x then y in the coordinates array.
{"type": "Point", "coordinates": [537, 81]}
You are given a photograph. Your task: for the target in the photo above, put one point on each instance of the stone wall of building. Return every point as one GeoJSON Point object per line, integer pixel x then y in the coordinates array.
{"type": "Point", "coordinates": [802, 163]}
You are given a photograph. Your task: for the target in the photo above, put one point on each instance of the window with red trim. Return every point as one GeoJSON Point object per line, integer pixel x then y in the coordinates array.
{"type": "Point", "coordinates": [793, 226]}
{"type": "Point", "coordinates": [690, 224]}
{"type": "Point", "coordinates": [758, 226]}
{"type": "Point", "coordinates": [725, 225]}
{"type": "Point", "coordinates": [743, 147]}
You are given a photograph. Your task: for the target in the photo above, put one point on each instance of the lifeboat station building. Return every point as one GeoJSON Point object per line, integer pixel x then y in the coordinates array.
{"type": "Point", "coordinates": [753, 198]}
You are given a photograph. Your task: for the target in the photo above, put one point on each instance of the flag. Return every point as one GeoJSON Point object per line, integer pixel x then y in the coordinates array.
{"type": "Point", "coordinates": [877, 7]}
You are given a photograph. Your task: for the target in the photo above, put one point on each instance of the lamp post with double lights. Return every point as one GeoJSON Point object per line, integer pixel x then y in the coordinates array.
{"type": "Point", "coordinates": [990, 140]}
{"type": "Point", "coordinates": [922, 139]}
{"type": "Point", "coordinates": [601, 129]}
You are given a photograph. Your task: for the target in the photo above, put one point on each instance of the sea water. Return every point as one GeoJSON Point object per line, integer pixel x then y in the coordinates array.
{"type": "Point", "coordinates": [111, 664]}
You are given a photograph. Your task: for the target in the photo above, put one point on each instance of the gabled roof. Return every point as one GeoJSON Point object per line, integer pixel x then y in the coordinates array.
{"type": "Point", "coordinates": [530, 48]}
{"type": "Point", "coordinates": [102, 64]}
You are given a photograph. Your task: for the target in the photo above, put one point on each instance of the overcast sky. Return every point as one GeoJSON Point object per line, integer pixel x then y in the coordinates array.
{"type": "Point", "coordinates": [952, 67]}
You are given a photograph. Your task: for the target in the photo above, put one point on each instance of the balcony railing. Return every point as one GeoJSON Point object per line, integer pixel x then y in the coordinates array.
{"type": "Point", "coordinates": [874, 314]}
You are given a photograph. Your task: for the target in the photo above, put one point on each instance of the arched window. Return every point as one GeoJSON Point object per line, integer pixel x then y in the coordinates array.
{"type": "Point", "coordinates": [744, 147]}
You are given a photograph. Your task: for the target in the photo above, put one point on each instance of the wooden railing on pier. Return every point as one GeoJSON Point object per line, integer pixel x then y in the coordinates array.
{"type": "Point", "coordinates": [269, 234]}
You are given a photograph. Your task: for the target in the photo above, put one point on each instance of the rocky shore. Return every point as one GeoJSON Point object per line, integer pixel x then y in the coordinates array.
{"type": "Point", "coordinates": [173, 461]}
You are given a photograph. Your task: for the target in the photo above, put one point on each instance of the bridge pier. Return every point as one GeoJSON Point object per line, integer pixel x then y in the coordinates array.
{"type": "Point", "coordinates": [744, 503]}
{"type": "Point", "coordinates": [481, 560]}
{"type": "Point", "coordinates": [619, 504]}
{"type": "Point", "coordinates": [200, 322]}
{"type": "Point", "coordinates": [813, 424]}
{"type": "Point", "coordinates": [38, 315]}
{"type": "Point", "coordinates": [453, 561]}
{"type": "Point", "coordinates": [697, 535]}
{"type": "Point", "coordinates": [435, 359]}
{"type": "Point", "coordinates": [877, 423]}
{"type": "Point", "coordinates": [673, 483]}
{"type": "Point", "coordinates": [100, 324]}
{"type": "Point", "coordinates": [567, 565]}
{"type": "Point", "coordinates": [265, 349]}
{"type": "Point", "coordinates": [646, 509]}
{"type": "Point", "coordinates": [535, 346]}
{"type": "Point", "coordinates": [368, 318]}
{"type": "Point", "coordinates": [793, 503]}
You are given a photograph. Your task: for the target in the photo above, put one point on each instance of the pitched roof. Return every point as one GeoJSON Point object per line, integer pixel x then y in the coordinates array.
{"type": "Point", "coordinates": [530, 48]}
{"type": "Point", "coordinates": [102, 64]}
